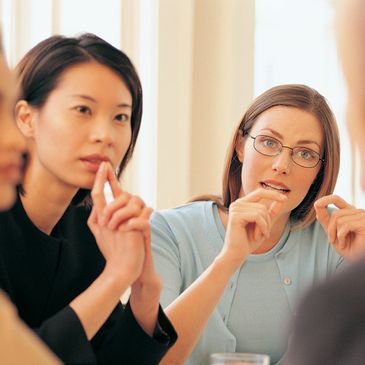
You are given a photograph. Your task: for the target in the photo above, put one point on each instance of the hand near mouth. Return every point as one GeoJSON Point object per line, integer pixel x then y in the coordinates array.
{"type": "Point", "coordinates": [123, 234]}
{"type": "Point", "coordinates": [249, 222]}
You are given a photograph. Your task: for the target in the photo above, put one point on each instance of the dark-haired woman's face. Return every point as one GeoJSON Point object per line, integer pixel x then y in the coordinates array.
{"type": "Point", "coordinates": [12, 143]}
{"type": "Point", "coordinates": [85, 120]}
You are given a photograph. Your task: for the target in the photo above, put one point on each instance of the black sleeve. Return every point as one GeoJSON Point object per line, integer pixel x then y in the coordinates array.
{"type": "Point", "coordinates": [66, 337]}
{"type": "Point", "coordinates": [127, 343]}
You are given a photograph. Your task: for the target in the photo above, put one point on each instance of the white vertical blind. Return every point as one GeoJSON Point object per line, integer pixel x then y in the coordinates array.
{"type": "Point", "coordinates": [127, 24]}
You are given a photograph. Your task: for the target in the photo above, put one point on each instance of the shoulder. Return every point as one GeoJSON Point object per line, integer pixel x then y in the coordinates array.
{"type": "Point", "coordinates": [186, 214]}
{"type": "Point", "coordinates": [310, 235]}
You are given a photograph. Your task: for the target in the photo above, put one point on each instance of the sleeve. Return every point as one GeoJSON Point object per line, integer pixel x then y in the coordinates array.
{"type": "Point", "coordinates": [65, 336]}
{"type": "Point", "coordinates": [166, 258]}
{"type": "Point", "coordinates": [128, 342]}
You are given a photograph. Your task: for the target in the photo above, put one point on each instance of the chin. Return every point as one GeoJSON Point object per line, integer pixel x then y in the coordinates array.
{"type": "Point", "coordinates": [7, 197]}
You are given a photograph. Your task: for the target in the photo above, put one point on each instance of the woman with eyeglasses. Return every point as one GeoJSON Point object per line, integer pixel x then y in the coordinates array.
{"type": "Point", "coordinates": [234, 266]}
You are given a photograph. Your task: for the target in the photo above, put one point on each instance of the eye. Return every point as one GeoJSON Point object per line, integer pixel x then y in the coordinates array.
{"type": "Point", "coordinates": [122, 117]}
{"type": "Point", "coordinates": [83, 109]}
{"type": "Point", "coordinates": [306, 154]}
{"type": "Point", "coordinates": [268, 142]}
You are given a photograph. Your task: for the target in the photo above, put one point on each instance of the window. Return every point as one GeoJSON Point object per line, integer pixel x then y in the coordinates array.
{"type": "Point", "coordinates": [295, 43]}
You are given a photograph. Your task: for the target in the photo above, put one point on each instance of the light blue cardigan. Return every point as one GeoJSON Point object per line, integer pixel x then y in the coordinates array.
{"type": "Point", "coordinates": [185, 241]}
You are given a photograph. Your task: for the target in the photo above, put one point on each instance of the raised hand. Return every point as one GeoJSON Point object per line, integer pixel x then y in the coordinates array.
{"type": "Point", "coordinates": [146, 290]}
{"type": "Point", "coordinates": [249, 222]}
{"type": "Point", "coordinates": [120, 239]}
{"type": "Point", "coordinates": [345, 227]}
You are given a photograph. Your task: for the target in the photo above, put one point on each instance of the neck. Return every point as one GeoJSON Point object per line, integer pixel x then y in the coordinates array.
{"type": "Point", "coordinates": [45, 199]}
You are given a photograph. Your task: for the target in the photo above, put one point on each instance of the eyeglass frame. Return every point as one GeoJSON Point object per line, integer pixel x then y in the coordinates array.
{"type": "Point", "coordinates": [281, 150]}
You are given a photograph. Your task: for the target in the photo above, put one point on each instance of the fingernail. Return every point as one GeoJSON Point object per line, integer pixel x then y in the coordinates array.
{"type": "Point", "coordinates": [101, 167]}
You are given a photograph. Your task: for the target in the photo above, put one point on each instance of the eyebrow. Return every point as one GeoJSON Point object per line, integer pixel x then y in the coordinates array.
{"type": "Point", "coordinates": [89, 98]}
{"type": "Point", "coordinates": [302, 141]}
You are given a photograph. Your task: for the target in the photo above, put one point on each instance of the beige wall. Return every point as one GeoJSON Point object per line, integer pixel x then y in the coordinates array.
{"type": "Point", "coordinates": [197, 69]}
{"type": "Point", "coordinates": [205, 83]}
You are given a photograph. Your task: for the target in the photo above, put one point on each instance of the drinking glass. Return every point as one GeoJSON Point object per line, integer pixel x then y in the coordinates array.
{"type": "Point", "coordinates": [237, 358]}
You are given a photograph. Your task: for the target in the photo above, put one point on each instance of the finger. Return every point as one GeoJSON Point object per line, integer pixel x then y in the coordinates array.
{"type": "Point", "coordinates": [92, 220]}
{"type": "Point", "coordinates": [340, 217]}
{"type": "Point", "coordinates": [146, 213]}
{"type": "Point", "coordinates": [97, 192]}
{"type": "Point", "coordinates": [343, 235]}
{"type": "Point", "coordinates": [275, 208]}
{"type": "Point", "coordinates": [332, 228]}
{"type": "Point", "coordinates": [244, 207]}
{"type": "Point", "coordinates": [264, 194]}
{"type": "Point", "coordinates": [120, 202]}
{"type": "Point", "coordinates": [113, 181]}
{"type": "Point", "coordinates": [322, 214]}
{"type": "Point", "coordinates": [138, 224]}
{"type": "Point", "coordinates": [262, 227]}
{"type": "Point", "coordinates": [122, 215]}
{"type": "Point", "coordinates": [333, 199]}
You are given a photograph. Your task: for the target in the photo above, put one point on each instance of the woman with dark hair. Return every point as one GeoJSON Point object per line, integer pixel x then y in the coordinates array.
{"type": "Point", "coordinates": [65, 261]}
{"type": "Point", "coordinates": [233, 266]}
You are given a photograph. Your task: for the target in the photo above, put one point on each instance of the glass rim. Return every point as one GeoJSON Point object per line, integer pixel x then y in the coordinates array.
{"type": "Point", "coordinates": [238, 356]}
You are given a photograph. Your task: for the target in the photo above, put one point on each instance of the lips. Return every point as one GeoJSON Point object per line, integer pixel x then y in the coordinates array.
{"type": "Point", "coordinates": [275, 185]}
{"type": "Point", "coordinates": [92, 162]}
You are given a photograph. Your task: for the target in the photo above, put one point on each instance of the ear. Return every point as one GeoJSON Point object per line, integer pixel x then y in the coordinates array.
{"type": "Point", "coordinates": [239, 145]}
{"type": "Point", "coordinates": [25, 116]}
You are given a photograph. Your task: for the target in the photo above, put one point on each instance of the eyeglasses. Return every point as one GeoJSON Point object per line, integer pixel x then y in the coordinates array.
{"type": "Point", "coordinates": [270, 146]}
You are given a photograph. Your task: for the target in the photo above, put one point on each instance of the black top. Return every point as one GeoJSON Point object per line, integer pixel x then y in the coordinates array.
{"type": "Point", "coordinates": [330, 324]}
{"type": "Point", "coordinates": [42, 274]}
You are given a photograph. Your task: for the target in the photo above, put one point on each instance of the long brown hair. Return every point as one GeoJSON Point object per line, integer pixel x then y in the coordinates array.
{"type": "Point", "coordinates": [300, 97]}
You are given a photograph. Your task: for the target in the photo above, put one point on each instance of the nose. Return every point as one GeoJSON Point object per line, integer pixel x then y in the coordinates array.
{"type": "Point", "coordinates": [282, 162]}
{"type": "Point", "coordinates": [101, 131]}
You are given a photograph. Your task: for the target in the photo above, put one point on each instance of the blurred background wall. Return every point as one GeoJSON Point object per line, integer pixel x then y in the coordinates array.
{"type": "Point", "coordinates": [201, 62]}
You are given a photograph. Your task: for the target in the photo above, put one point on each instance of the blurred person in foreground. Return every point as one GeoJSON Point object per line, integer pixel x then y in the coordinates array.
{"type": "Point", "coordinates": [330, 326]}
{"type": "Point", "coordinates": [18, 345]}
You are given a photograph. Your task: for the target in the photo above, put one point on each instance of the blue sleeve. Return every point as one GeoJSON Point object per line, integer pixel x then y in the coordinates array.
{"type": "Point", "coordinates": [167, 258]}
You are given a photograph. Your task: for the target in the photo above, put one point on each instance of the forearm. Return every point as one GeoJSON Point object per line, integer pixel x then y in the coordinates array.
{"type": "Point", "coordinates": [190, 312]}
{"type": "Point", "coordinates": [96, 303]}
{"type": "Point", "coordinates": [145, 306]}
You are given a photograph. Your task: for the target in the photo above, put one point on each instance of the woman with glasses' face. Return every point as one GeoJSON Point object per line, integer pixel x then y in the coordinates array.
{"type": "Point", "coordinates": [11, 143]}
{"type": "Point", "coordinates": [281, 173]}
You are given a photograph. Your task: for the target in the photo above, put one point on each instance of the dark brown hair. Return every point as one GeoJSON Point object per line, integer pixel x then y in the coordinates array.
{"type": "Point", "coordinates": [41, 68]}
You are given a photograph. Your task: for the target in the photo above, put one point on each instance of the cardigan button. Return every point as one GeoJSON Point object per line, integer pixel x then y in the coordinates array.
{"type": "Point", "coordinates": [287, 280]}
